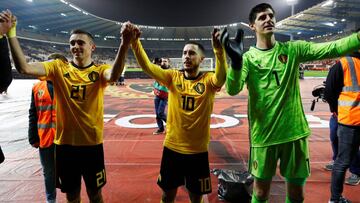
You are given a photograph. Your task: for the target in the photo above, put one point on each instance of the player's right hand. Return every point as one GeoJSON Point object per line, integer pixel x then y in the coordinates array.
{"type": "Point", "coordinates": [130, 32]}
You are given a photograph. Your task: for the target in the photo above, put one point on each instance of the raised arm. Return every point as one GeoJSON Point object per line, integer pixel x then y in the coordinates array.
{"type": "Point", "coordinates": [36, 69]}
{"type": "Point", "coordinates": [234, 49]}
{"type": "Point", "coordinates": [149, 68]}
{"type": "Point", "coordinates": [220, 58]}
{"type": "Point", "coordinates": [114, 73]}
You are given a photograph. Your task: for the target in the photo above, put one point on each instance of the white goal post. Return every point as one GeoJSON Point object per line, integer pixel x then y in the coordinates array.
{"type": "Point", "coordinates": [206, 65]}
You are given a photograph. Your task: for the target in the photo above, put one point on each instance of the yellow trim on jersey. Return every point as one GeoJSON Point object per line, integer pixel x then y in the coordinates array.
{"type": "Point", "coordinates": [190, 102]}
{"type": "Point", "coordinates": [79, 94]}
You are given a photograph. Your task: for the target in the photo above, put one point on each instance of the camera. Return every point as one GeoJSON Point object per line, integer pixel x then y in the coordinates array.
{"type": "Point", "coordinates": [319, 93]}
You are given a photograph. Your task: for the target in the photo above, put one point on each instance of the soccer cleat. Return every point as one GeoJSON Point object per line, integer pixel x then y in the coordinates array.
{"type": "Point", "coordinates": [341, 200]}
{"type": "Point", "coordinates": [329, 166]}
{"type": "Point", "coordinates": [158, 131]}
{"type": "Point", "coordinates": [353, 179]}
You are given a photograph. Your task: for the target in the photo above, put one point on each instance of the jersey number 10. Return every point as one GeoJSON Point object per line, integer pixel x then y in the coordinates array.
{"type": "Point", "coordinates": [188, 103]}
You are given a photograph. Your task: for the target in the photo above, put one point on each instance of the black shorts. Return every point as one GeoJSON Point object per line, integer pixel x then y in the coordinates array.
{"type": "Point", "coordinates": [191, 170]}
{"type": "Point", "coordinates": [72, 162]}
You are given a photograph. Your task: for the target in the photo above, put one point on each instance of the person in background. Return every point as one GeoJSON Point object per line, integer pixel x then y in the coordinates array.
{"type": "Point", "coordinates": [121, 80]}
{"type": "Point", "coordinates": [342, 92]}
{"type": "Point", "coordinates": [161, 97]}
{"type": "Point", "coordinates": [5, 64]}
{"type": "Point", "coordinates": [42, 127]}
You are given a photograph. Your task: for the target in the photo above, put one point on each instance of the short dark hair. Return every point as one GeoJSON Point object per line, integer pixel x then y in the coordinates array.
{"type": "Point", "coordinates": [257, 9]}
{"type": "Point", "coordinates": [55, 56]}
{"type": "Point", "coordinates": [201, 47]}
{"type": "Point", "coordinates": [157, 60]}
{"type": "Point", "coordinates": [79, 31]}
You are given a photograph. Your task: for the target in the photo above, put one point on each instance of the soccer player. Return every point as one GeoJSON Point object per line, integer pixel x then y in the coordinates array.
{"type": "Point", "coordinates": [191, 99]}
{"type": "Point", "coordinates": [79, 90]}
{"type": "Point", "coordinates": [278, 127]}
{"type": "Point", "coordinates": [5, 65]}
{"type": "Point", "coordinates": [42, 127]}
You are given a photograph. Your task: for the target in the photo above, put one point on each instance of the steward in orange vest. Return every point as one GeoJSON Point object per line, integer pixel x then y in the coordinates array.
{"type": "Point", "coordinates": [342, 92]}
{"type": "Point", "coordinates": [42, 115]}
{"type": "Point", "coordinates": [42, 127]}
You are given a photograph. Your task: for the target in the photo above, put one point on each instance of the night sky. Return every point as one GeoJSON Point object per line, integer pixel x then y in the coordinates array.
{"type": "Point", "coordinates": [187, 13]}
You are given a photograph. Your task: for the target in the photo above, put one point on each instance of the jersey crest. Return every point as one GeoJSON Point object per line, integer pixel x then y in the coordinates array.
{"type": "Point", "coordinates": [93, 76]}
{"type": "Point", "coordinates": [283, 58]}
{"type": "Point", "coordinates": [199, 88]}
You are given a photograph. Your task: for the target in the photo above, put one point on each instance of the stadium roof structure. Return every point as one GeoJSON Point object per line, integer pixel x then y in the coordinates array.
{"type": "Point", "coordinates": [52, 20]}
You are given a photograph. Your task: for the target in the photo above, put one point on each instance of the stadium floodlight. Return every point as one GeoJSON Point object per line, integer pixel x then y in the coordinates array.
{"type": "Point", "coordinates": [328, 3]}
{"type": "Point", "coordinates": [300, 15]}
{"type": "Point", "coordinates": [329, 24]}
{"type": "Point", "coordinates": [291, 2]}
{"type": "Point", "coordinates": [64, 2]}
{"type": "Point", "coordinates": [244, 24]}
{"type": "Point", "coordinates": [74, 7]}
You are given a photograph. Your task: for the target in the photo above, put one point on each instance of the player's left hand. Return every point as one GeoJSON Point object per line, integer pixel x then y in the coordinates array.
{"type": "Point", "coordinates": [216, 38]}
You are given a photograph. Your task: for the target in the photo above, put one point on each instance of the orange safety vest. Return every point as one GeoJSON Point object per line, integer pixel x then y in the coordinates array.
{"type": "Point", "coordinates": [46, 114]}
{"type": "Point", "coordinates": [349, 99]}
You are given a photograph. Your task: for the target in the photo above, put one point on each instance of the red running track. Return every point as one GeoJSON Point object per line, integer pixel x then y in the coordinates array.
{"type": "Point", "coordinates": [133, 155]}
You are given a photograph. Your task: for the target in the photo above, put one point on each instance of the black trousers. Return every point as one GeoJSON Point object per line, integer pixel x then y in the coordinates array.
{"type": "Point", "coordinates": [2, 157]}
{"type": "Point", "coordinates": [349, 142]}
{"type": "Point", "coordinates": [5, 66]}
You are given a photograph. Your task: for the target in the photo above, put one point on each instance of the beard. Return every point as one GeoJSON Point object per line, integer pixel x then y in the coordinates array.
{"type": "Point", "coordinates": [164, 67]}
{"type": "Point", "coordinates": [190, 69]}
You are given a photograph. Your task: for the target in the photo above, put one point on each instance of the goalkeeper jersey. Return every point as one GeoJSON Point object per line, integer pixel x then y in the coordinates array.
{"type": "Point", "coordinates": [275, 110]}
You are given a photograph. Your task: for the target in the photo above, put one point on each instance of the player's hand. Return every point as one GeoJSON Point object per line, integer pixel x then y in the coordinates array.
{"type": "Point", "coordinates": [234, 47]}
{"type": "Point", "coordinates": [129, 32]}
{"type": "Point", "coordinates": [7, 23]}
{"type": "Point", "coordinates": [216, 38]}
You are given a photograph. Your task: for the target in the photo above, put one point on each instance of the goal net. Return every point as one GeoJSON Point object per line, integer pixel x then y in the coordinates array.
{"type": "Point", "coordinates": [206, 65]}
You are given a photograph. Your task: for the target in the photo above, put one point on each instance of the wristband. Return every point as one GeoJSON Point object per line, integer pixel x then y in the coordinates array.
{"type": "Point", "coordinates": [12, 31]}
